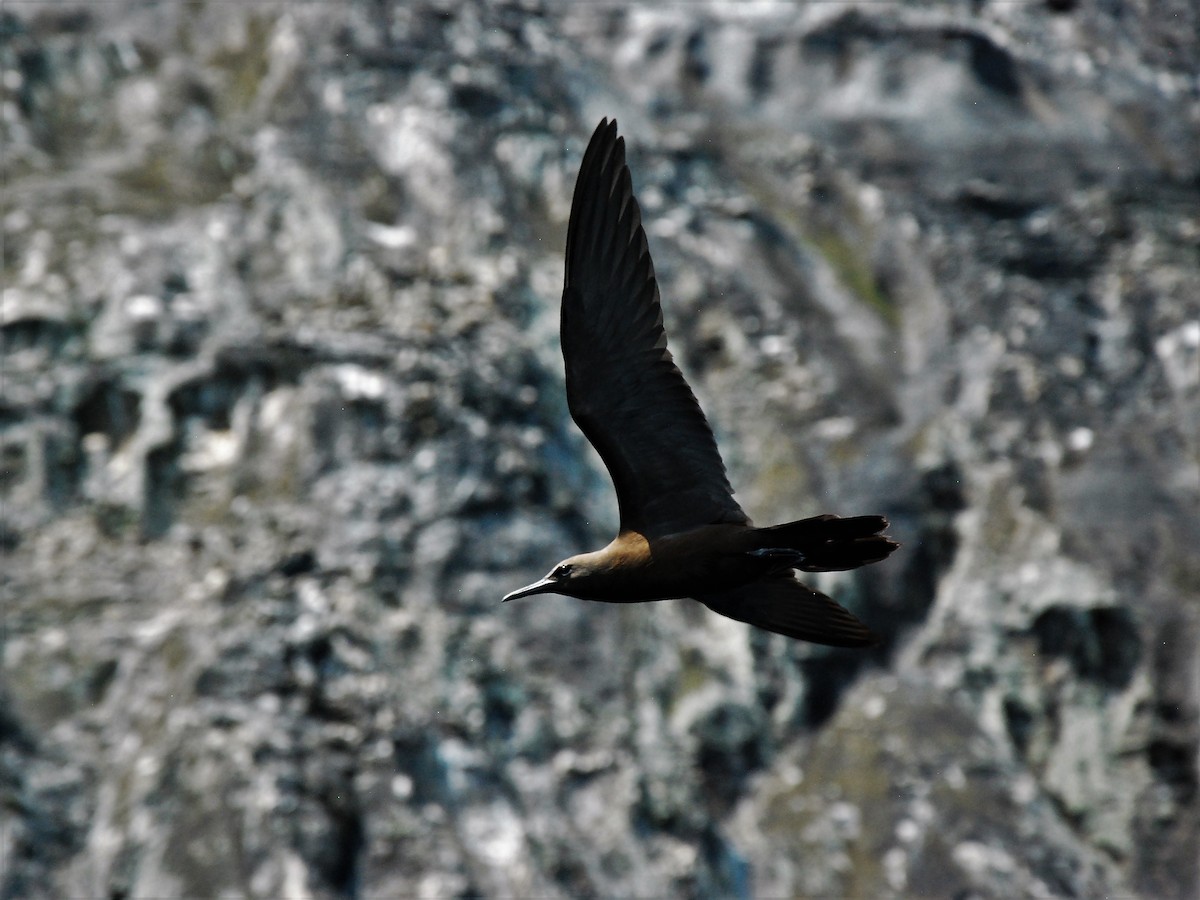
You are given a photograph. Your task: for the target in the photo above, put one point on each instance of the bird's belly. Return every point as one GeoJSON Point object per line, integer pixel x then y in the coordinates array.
{"type": "Point", "coordinates": [692, 577]}
{"type": "Point", "coordinates": [703, 561]}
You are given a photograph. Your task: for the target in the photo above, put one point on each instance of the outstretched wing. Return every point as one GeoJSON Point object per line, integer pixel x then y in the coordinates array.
{"type": "Point", "coordinates": [783, 605]}
{"type": "Point", "coordinates": [623, 388]}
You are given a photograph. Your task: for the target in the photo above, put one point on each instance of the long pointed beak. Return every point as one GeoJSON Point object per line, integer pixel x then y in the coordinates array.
{"type": "Point", "coordinates": [545, 586]}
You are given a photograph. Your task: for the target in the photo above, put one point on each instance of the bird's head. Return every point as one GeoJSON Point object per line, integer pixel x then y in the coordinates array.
{"type": "Point", "coordinates": [569, 577]}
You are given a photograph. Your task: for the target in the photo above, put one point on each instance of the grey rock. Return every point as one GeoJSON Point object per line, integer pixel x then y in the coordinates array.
{"type": "Point", "coordinates": [282, 420]}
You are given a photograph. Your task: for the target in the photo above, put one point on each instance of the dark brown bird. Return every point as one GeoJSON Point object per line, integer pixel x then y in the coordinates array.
{"type": "Point", "coordinates": [682, 534]}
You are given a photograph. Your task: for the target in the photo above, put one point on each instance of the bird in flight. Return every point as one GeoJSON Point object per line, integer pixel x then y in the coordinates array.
{"type": "Point", "coordinates": [682, 535]}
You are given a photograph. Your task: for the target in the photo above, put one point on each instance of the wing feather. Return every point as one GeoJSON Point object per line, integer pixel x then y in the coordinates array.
{"type": "Point", "coordinates": [783, 605]}
{"type": "Point", "coordinates": [623, 387]}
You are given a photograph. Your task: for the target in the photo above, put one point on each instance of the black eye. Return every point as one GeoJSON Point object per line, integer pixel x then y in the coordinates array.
{"type": "Point", "coordinates": [563, 571]}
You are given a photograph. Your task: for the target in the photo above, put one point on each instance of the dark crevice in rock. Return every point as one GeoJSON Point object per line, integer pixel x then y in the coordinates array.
{"type": "Point", "coordinates": [1102, 644]}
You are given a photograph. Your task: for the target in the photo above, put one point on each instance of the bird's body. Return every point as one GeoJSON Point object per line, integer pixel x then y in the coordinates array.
{"type": "Point", "coordinates": [682, 534]}
{"type": "Point", "coordinates": [634, 568]}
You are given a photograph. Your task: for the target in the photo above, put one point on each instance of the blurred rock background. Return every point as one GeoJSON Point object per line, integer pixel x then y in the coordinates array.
{"type": "Point", "coordinates": [282, 420]}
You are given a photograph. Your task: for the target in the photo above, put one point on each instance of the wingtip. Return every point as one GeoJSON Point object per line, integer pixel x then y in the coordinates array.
{"type": "Point", "coordinates": [870, 639]}
{"type": "Point", "coordinates": [607, 127]}
{"type": "Point", "coordinates": [857, 637]}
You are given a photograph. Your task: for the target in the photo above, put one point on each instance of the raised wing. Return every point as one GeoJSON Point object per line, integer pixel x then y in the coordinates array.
{"type": "Point", "coordinates": [783, 605]}
{"type": "Point", "coordinates": [623, 388]}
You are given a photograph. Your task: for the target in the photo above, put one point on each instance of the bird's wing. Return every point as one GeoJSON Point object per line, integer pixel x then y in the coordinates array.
{"type": "Point", "coordinates": [623, 388]}
{"type": "Point", "coordinates": [783, 605]}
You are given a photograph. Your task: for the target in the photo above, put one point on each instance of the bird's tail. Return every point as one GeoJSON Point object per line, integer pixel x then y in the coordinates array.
{"type": "Point", "coordinates": [827, 543]}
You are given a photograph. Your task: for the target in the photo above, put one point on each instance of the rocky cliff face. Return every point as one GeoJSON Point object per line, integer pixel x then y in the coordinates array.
{"type": "Point", "coordinates": [282, 419]}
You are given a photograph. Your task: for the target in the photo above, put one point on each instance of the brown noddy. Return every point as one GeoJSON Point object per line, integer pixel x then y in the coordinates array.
{"type": "Point", "coordinates": [681, 534]}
